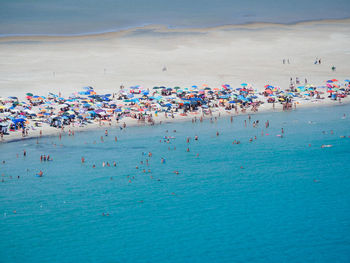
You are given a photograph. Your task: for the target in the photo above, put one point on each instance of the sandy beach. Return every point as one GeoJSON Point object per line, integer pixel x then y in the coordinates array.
{"type": "Point", "coordinates": [232, 54]}
{"type": "Point", "coordinates": [174, 131]}
{"type": "Point", "coordinates": [251, 53]}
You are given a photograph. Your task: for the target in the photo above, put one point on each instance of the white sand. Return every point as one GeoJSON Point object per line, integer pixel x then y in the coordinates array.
{"type": "Point", "coordinates": [232, 54]}
{"type": "Point", "coordinates": [214, 56]}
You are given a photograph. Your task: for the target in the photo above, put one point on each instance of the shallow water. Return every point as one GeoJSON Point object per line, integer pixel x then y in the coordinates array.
{"type": "Point", "coordinates": [57, 17]}
{"type": "Point", "coordinates": [289, 203]}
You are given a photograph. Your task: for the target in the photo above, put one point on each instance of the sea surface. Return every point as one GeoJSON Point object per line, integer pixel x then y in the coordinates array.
{"type": "Point", "coordinates": [74, 17]}
{"type": "Point", "coordinates": [276, 199]}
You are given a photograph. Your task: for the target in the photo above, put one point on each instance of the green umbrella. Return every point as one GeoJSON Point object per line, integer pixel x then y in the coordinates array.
{"type": "Point", "coordinates": [177, 88]}
{"type": "Point", "coordinates": [29, 94]}
{"type": "Point", "coordinates": [156, 87]}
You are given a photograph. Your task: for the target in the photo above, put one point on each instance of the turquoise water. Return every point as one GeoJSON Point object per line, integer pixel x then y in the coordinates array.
{"type": "Point", "coordinates": [65, 17]}
{"type": "Point", "coordinates": [289, 203]}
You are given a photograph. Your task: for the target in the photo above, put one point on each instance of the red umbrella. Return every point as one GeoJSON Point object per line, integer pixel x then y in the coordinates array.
{"type": "Point", "coordinates": [334, 80]}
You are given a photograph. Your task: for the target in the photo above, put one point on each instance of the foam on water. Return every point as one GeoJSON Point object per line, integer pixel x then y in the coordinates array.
{"type": "Point", "coordinates": [289, 203]}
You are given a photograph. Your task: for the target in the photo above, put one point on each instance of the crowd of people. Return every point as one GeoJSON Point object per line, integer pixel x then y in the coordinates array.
{"type": "Point", "coordinates": [145, 105]}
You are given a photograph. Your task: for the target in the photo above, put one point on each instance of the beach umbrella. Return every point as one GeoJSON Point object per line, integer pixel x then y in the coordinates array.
{"type": "Point", "coordinates": [88, 88]}
{"type": "Point", "coordinates": [334, 80]}
{"type": "Point", "coordinates": [347, 80]}
{"type": "Point", "coordinates": [29, 94]}
{"type": "Point", "coordinates": [330, 81]}
{"type": "Point", "coordinates": [244, 84]}
{"type": "Point", "coordinates": [207, 88]}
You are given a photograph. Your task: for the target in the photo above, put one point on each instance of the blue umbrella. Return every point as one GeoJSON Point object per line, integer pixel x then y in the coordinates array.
{"type": "Point", "coordinates": [347, 80]}
{"type": "Point", "coordinates": [244, 84]}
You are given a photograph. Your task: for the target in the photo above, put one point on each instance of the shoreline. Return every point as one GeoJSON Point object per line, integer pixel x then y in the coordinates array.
{"type": "Point", "coordinates": [257, 54]}
{"type": "Point", "coordinates": [165, 29]}
{"type": "Point", "coordinates": [49, 131]}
